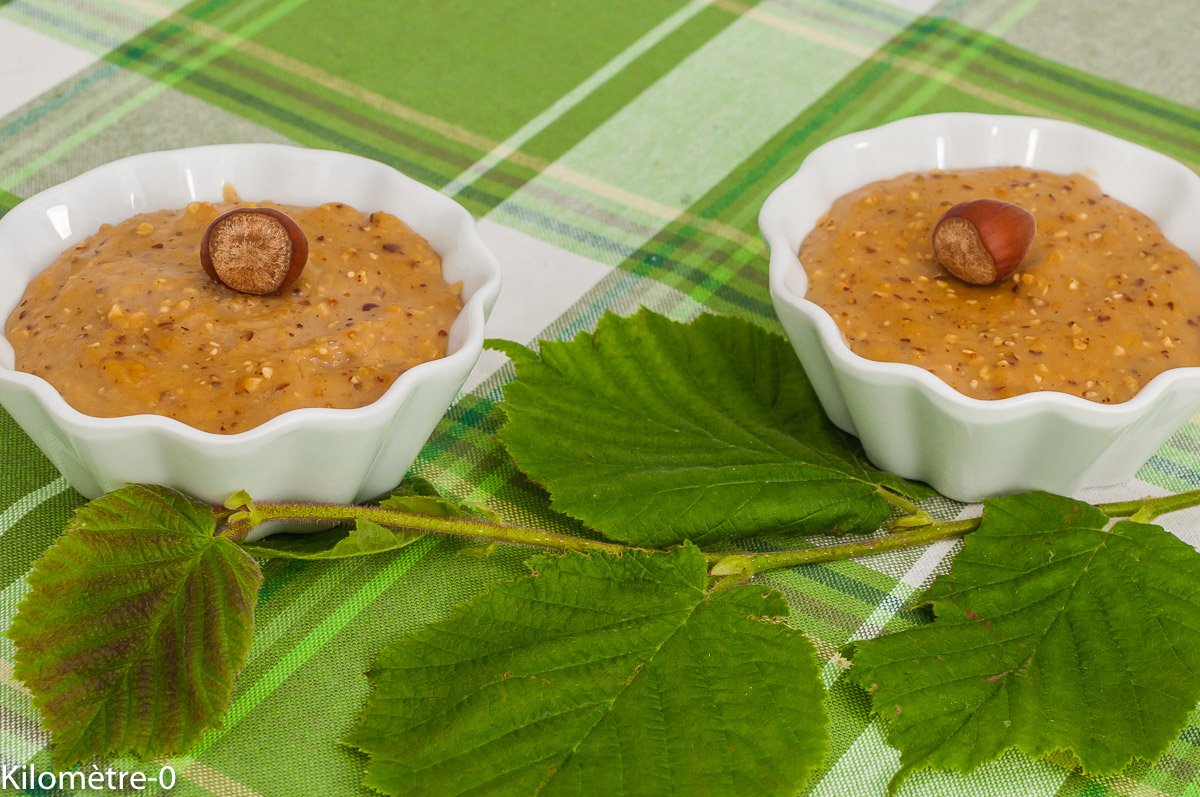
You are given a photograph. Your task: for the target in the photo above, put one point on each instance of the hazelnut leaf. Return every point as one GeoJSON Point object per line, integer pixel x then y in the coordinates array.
{"type": "Point", "coordinates": [1054, 632]}
{"type": "Point", "coordinates": [136, 621]}
{"type": "Point", "coordinates": [364, 538]}
{"type": "Point", "coordinates": [239, 500]}
{"type": "Point", "coordinates": [654, 432]}
{"type": "Point", "coordinates": [601, 674]}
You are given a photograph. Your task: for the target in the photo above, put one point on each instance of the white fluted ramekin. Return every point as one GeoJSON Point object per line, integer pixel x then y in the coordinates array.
{"type": "Point", "coordinates": [914, 424]}
{"type": "Point", "coordinates": [317, 454]}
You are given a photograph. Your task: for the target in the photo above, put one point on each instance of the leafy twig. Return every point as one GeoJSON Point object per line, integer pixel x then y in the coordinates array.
{"type": "Point", "coordinates": [460, 527]}
{"type": "Point", "coordinates": [1147, 509]}
{"type": "Point", "coordinates": [730, 564]}
{"type": "Point", "coordinates": [753, 563]}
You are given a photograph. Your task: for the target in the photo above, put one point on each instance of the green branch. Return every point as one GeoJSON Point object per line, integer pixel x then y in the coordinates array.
{"type": "Point", "coordinates": [458, 527]}
{"type": "Point", "coordinates": [1146, 509]}
{"type": "Point", "coordinates": [748, 564]}
{"type": "Point", "coordinates": [730, 567]}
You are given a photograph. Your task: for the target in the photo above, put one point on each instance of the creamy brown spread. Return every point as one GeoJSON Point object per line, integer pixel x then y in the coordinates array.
{"type": "Point", "coordinates": [127, 322]}
{"type": "Point", "coordinates": [1101, 304]}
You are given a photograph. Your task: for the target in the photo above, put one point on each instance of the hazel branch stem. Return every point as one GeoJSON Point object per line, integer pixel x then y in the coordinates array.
{"type": "Point", "coordinates": [760, 562]}
{"type": "Point", "coordinates": [459, 527]}
{"type": "Point", "coordinates": [1150, 508]}
{"type": "Point", "coordinates": [731, 567]}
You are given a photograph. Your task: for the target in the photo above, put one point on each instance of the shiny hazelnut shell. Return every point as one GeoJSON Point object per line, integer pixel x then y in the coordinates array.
{"type": "Point", "coordinates": [254, 250]}
{"type": "Point", "coordinates": [983, 241]}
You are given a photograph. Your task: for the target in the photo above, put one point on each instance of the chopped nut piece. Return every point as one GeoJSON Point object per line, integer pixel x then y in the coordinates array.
{"type": "Point", "coordinates": [250, 383]}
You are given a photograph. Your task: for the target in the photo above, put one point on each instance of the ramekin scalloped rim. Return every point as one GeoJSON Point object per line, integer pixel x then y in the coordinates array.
{"type": "Point", "coordinates": [911, 422]}
{"type": "Point", "coordinates": [314, 454]}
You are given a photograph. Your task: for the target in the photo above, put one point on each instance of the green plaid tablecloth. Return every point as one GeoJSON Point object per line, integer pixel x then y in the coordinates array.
{"type": "Point", "coordinates": [617, 154]}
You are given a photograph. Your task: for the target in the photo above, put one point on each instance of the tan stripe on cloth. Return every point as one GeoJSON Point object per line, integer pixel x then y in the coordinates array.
{"type": "Point", "coordinates": [216, 782]}
{"type": "Point", "coordinates": [8, 679]}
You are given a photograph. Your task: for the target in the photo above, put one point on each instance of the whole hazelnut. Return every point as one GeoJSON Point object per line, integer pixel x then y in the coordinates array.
{"type": "Point", "coordinates": [254, 250]}
{"type": "Point", "coordinates": [983, 241]}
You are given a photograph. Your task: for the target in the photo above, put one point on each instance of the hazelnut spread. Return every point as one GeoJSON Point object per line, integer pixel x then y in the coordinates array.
{"type": "Point", "coordinates": [1100, 304]}
{"type": "Point", "coordinates": [127, 322]}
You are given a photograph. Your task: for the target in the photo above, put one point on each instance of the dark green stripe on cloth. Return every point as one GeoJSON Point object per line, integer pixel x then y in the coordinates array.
{"type": "Point", "coordinates": [318, 116]}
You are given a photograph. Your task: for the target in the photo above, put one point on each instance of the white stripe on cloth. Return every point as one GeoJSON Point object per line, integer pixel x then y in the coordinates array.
{"type": "Point", "coordinates": [905, 588]}
{"type": "Point", "coordinates": [33, 63]}
{"type": "Point", "coordinates": [29, 502]}
{"type": "Point", "coordinates": [541, 283]}
{"type": "Point", "coordinates": [575, 96]}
